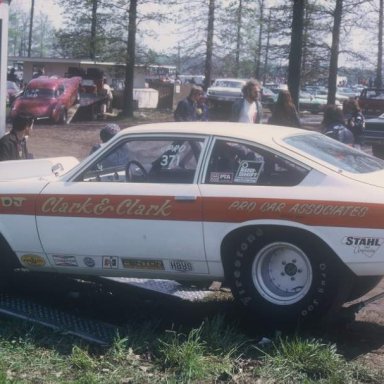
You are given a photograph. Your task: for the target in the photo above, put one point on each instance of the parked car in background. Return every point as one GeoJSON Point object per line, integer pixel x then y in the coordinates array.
{"type": "Point", "coordinates": [371, 101]}
{"type": "Point", "coordinates": [13, 91]}
{"type": "Point", "coordinates": [374, 135]}
{"type": "Point", "coordinates": [48, 98]}
{"type": "Point", "coordinates": [224, 92]}
{"type": "Point", "coordinates": [268, 97]}
{"type": "Point", "coordinates": [351, 93]}
{"type": "Point", "coordinates": [290, 219]}
{"type": "Point", "coordinates": [311, 103]}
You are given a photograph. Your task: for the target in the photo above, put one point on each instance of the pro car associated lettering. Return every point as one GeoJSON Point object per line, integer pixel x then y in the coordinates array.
{"type": "Point", "coordinates": [127, 207]}
{"type": "Point", "coordinates": [328, 210]}
{"type": "Point", "coordinates": [299, 208]}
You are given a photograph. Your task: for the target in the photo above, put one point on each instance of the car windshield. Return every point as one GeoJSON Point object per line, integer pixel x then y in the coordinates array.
{"type": "Point", "coordinates": [39, 92]}
{"type": "Point", "coordinates": [228, 83]}
{"type": "Point", "coordinates": [335, 153]}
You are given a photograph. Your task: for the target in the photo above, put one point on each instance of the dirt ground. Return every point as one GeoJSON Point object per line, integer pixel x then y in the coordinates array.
{"type": "Point", "coordinates": [363, 338]}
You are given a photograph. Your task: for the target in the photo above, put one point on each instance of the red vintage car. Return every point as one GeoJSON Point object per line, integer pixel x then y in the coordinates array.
{"type": "Point", "coordinates": [48, 98]}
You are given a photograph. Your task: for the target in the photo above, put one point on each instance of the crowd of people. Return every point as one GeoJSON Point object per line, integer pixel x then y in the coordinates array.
{"type": "Point", "coordinates": [345, 125]}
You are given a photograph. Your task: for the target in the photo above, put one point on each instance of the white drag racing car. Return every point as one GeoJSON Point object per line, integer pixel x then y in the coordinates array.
{"type": "Point", "coordinates": [291, 220]}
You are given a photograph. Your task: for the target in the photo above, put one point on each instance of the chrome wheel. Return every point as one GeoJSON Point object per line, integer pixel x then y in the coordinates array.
{"type": "Point", "coordinates": [282, 273]}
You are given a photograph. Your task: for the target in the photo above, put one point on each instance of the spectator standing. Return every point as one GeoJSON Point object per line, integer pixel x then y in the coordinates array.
{"type": "Point", "coordinates": [356, 122]}
{"type": "Point", "coordinates": [186, 109]}
{"type": "Point", "coordinates": [107, 91]}
{"type": "Point", "coordinates": [284, 111]}
{"type": "Point", "coordinates": [202, 108]}
{"type": "Point", "coordinates": [106, 133]}
{"type": "Point", "coordinates": [13, 145]}
{"type": "Point", "coordinates": [249, 108]}
{"type": "Point", "coordinates": [334, 125]}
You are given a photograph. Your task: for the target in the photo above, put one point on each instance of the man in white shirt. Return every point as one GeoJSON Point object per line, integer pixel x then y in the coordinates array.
{"type": "Point", "coordinates": [249, 109]}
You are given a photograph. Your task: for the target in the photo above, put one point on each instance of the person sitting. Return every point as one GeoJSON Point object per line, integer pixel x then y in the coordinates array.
{"type": "Point", "coordinates": [334, 125]}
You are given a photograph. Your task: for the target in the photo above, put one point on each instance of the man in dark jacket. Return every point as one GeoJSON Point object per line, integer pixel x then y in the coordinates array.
{"type": "Point", "coordinates": [248, 109]}
{"type": "Point", "coordinates": [13, 145]}
{"type": "Point", "coordinates": [186, 109]}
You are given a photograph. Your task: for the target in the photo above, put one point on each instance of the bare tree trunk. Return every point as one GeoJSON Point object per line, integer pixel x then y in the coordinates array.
{"type": "Point", "coordinates": [92, 43]}
{"type": "Point", "coordinates": [261, 23]}
{"type": "Point", "coordinates": [209, 52]}
{"type": "Point", "coordinates": [295, 53]}
{"type": "Point", "coordinates": [332, 79]}
{"type": "Point", "coordinates": [130, 63]}
{"type": "Point", "coordinates": [379, 76]}
{"type": "Point", "coordinates": [238, 38]}
{"type": "Point", "coordinates": [31, 28]}
{"type": "Point", "coordinates": [265, 70]}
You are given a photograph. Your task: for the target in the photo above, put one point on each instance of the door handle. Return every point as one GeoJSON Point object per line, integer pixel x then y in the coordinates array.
{"type": "Point", "coordinates": [185, 198]}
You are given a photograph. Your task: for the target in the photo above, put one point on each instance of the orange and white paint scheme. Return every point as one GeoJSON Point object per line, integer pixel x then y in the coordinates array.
{"type": "Point", "coordinates": [290, 219]}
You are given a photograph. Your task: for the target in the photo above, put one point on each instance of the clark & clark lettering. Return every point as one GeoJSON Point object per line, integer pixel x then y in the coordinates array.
{"type": "Point", "coordinates": [103, 206]}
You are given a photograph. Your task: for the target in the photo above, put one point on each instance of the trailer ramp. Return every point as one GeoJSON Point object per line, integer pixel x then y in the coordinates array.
{"type": "Point", "coordinates": [95, 331]}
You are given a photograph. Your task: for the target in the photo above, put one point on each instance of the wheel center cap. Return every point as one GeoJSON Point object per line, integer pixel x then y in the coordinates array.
{"type": "Point", "coordinates": [290, 269]}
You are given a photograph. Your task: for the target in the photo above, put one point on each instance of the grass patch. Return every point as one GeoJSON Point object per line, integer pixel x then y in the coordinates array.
{"type": "Point", "coordinates": [310, 361]}
{"type": "Point", "coordinates": [215, 352]}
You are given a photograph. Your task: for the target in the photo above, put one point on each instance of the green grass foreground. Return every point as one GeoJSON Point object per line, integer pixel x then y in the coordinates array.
{"type": "Point", "coordinates": [215, 352]}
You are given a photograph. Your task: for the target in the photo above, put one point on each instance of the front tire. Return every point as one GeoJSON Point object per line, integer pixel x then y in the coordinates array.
{"type": "Point", "coordinates": [63, 119]}
{"type": "Point", "coordinates": [285, 277]}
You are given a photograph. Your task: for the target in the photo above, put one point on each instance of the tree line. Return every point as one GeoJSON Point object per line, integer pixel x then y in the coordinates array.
{"type": "Point", "coordinates": [297, 41]}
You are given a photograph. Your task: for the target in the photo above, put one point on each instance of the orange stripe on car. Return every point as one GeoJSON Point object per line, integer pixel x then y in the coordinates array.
{"type": "Point", "coordinates": [208, 209]}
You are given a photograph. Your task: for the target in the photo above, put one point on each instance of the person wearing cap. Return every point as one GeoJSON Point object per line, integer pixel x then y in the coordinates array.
{"type": "Point", "coordinates": [187, 109]}
{"type": "Point", "coordinates": [13, 145]}
{"type": "Point", "coordinates": [106, 133]}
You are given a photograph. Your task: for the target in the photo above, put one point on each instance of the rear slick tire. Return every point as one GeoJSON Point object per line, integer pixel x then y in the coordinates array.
{"type": "Point", "coordinates": [285, 278]}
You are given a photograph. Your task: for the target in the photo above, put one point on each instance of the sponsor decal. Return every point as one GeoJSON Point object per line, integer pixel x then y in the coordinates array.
{"type": "Point", "coordinates": [11, 201]}
{"type": "Point", "coordinates": [368, 246]}
{"type": "Point", "coordinates": [249, 172]}
{"type": "Point", "coordinates": [110, 262]}
{"type": "Point", "coordinates": [181, 265]}
{"type": "Point", "coordinates": [33, 260]}
{"type": "Point", "coordinates": [89, 262]}
{"type": "Point", "coordinates": [65, 261]}
{"type": "Point", "coordinates": [221, 177]}
{"type": "Point", "coordinates": [143, 264]}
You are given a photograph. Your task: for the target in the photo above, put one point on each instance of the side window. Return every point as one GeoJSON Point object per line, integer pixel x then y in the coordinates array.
{"type": "Point", "coordinates": [242, 164]}
{"type": "Point", "coordinates": [148, 161]}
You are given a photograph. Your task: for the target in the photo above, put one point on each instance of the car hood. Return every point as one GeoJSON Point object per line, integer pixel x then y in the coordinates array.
{"type": "Point", "coordinates": [36, 168]}
{"type": "Point", "coordinates": [225, 90]}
